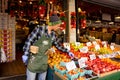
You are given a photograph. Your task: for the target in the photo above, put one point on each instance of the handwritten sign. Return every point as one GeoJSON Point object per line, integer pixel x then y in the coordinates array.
{"type": "Point", "coordinates": [88, 43]}
{"type": "Point", "coordinates": [82, 61]}
{"type": "Point", "coordinates": [92, 56]}
{"type": "Point", "coordinates": [70, 65]}
{"type": "Point", "coordinates": [97, 47]}
{"type": "Point", "coordinates": [94, 43]}
{"type": "Point", "coordinates": [77, 43]}
{"type": "Point", "coordinates": [84, 49]}
{"type": "Point", "coordinates": [112, 47]}
{"type": "Point", "coordinates": [67, 45]}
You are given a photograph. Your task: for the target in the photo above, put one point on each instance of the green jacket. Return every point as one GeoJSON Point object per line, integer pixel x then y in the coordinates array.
{"type": "Point", "coordinates": [38, 62]}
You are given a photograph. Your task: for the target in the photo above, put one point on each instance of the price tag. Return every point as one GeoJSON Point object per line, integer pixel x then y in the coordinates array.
{"type": "Point", "coordinates": [100, 56]}
{"type": "Point", "coordinates": [67, 45]}
{"type": "Point", "coordinates": [88, 43]}
{"type": "Point", "coordinates": [77, 43]}
{"type": "Point", "coordinates": [104, 43]}
{"type": "Point", "coordinates": [70, 65]}
{"type": "Point", "coordinates": [112, 47]}
{"type": "Point", "coordinates": [84, 49]}
{"type": "Point", "coordinates": [92, 56]}
{"type": "Point", "coordinates": [94, 42]}
{"type": "Point", "coordinates": [118, 52]}
{"type": "Point", "coordinates": [53, 50]}
{"type": "Point", "coordinates": [82, 61]}
{"type": "Point", "coordinates": [113, 44]}
{"type": "Point", "coordinates": [97, 47]}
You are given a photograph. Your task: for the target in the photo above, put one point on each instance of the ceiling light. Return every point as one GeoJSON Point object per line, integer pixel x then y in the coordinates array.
{"type": "Point", "coordinates": [117, 17]}
{"type": "Point", "coordinates": [20, 1]}
{"type": "Point", "coordinates": [30, 2]}
{"type": "Point", "coordinates": [50, 2]}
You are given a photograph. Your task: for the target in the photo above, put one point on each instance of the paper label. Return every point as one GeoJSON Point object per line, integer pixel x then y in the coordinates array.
{"type": "Point", "coordinates": [84, 49]}
{"type": "Point", "coordinates": [88, 43]}
{"type": "Point", "coordinates": [97, 47]}
{"type": "Point", "coordinates": [77, 43]}
{"type": "Point", "coordinates": [100, 56]}
{"type": "Point", "coordinates": [70, 65]}
{"type": "Point", "coordinates": [104, 43]}
{"type": "Point", "coordinates": [112, 47]}
{"type": "Point", "coordinates": [92, 56]}
{"type": "Point", "coordinates": [94, 42]}
{"type": "Point", "coordinates": [67, 45]}
{"type": "Point", "coordinates": [82, 61]}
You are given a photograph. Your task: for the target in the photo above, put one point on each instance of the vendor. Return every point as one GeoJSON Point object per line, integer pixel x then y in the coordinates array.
{"type": "Point", "coordinates": [38, 42]}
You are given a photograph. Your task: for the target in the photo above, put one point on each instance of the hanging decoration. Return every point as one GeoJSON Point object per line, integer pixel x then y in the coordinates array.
{"type": "Point", "coordinates": [11, 13]}
{"type": "Point", "coordinates": [42, 8]}
{"type": "Point", "coordinates": [21, 13]}
{"type": "Point", "coordinates": [83, 19]}
{"type": "Point", "coordinates": [73, 19]}
{"type": "Point", "coordinates": [48, 1]}
{"type": "Point", "coordinates": [63, 19]}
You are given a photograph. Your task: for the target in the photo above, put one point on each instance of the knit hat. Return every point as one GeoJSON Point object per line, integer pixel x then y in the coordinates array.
{"type": "Point", "coordinates": [54, 20]}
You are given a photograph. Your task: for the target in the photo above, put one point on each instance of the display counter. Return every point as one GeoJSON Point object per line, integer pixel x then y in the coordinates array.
{"type": "Point", "coordinates": [88, 64]}
{"type": "Point", "coordinates": [113, 76]}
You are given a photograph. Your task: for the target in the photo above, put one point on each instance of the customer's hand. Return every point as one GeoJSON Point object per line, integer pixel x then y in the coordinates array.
{"type": "Point", "coordinates": [25, 59]}
{"type": "Point", "coordinates": [71, 54]}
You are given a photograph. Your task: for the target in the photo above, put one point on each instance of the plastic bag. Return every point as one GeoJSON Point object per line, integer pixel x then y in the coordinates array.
{"type": "Point", "coordinates": [3, 56]}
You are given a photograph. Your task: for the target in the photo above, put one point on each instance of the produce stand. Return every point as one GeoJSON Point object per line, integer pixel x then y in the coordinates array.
{"type": "Point", "coordinates": [112, 76]}
{"type": "Point", "coordinates": [88, 64]}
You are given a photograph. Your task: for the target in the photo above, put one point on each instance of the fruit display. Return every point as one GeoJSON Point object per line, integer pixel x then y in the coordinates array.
{"type": "Point", "coordinates": [57, 57]}
{"type": "Point", "coordinates": [103, 65]}
{"type": "Point", "coordinates": [95, 66]}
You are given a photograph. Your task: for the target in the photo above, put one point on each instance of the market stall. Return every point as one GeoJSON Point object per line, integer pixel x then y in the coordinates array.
{"type": "Point", "coordinates": [93, 60]}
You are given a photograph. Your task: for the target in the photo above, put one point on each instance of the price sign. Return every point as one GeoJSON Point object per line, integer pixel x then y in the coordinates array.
{"type": "Point", "coordinates": [67, 45]}
{"type": "Point", "coordinates": [77, 43]}
{"type": "Point", "coordinates": [82, 61]}
{"type": "Point", "coordinates": [92, 56]}
{"type": "Point", "coordinates": [84, 49]}
{"type": "Point", "coordinates": [94, 42]}
{"type": "Point", "coordinates": [118, 52]}
{"type": "Point", "coordinates": [97, 47]}
{"type": "Point", "coordinates": [104, 43]}
{"type": "Point", "coordinates": [88, 43]}
{"type": "Point", "coordinates": [113, 44]}
{"type": "Point", "coordinates": [112, 47]}
{"type": "Point", "coordinates": [100, 56]}
{"type": "Point", "coordinates": [53, 50]}
{"type": "Point", "coordinates": [70, 65]}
